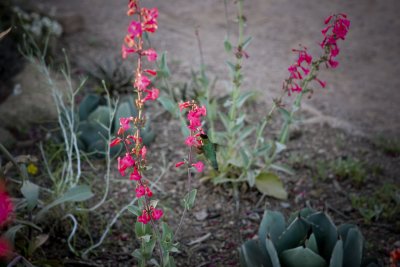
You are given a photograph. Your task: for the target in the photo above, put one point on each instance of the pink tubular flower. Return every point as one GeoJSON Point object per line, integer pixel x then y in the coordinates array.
{"type": "Point", "coordinates": [151, 54]}
{"type": "Point", "coordinates": [124, 123]}
{"type": "Point", "coordinates": [191, 141]}
{"type": "Point", "coordinates": [184, 105]}
{"type": "Point", "coordinates": [151, 94]}
{"type": "Point", "coordinates": [144, 218]}
{"type": "Point", "coordinates": [115, 142]}
{"type": "Point", "coordinates": [126, 51]}
{"type": "Point", "coordinates": [143, 152]}
{"type": "Point", "coordinates": [6, 207]}
{"type": "Point", "coordinates": [141, 82]}
{"type": "Point", "coordinates": [199, 166]}
{"type": "Point", "coordinates": [140, 191]}
{"type": "Point", "coordinates": [132, 7]}
{"type": "Point", "coordinates": [148, 191]}
{"type": "Point", "coordinates": [126, 162]}
{"type": "Point", "coordinates": [135, 175]}
{"type": "Point", "coordinates": [135, 29]}
{"type": "Point", "coordinates": [157, 214]}
{"type": "Point", "coordinates": [151, 72]}
{"type": "Point", "coordinates": [149, 22]}
{"type": "Point", "coordinates": [180, 163]}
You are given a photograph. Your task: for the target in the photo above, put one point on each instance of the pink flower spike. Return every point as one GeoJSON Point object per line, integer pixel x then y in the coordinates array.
{"type": "Point", "coordinates": [199, 166]}
{"type": "Point", "coordinates": [157, 214]}
{"type": "Point", "coordinates": [141, 82]}
{"type": "Point", "coordinates": [115, 142]}
{"type": "Point", "coordinates": [180, 163]}
{"type": "Point", "coordinates": [135, 175]}
{"type": "Point", "coordinates": [151, 54]}
{"type": "Point", "coordinates": [6, 207]}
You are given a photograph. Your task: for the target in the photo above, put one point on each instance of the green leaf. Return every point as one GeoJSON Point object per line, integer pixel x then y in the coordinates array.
{"type": "Point", "coordinates": [272, 225]}
{"type": "Point", "coordinates": [78, 193]}
{"type": "Point", "coordinates": [189, 199]}
{"type": "Point", "coordinates": [37, 242]}
{"type": "Point", "coordinates": [163, 68]}
{"type": "Point", "coordinates": [300, 256]}
{"type": "Point", "coordinates": [11, 232]}
{"type": "Point", "coordinates": [227, 45]}
{"type": "Point", "coordinates": [294, 236]}
{"type": "Point", "coordinates": [31, 193]}
{"type": "Point", "coordinates": [250, 254]}
{"type": "Point", "coordinates": [245, 157]}
{"type": "Point", "coordinates": [168, 104]}
{"type": "Point", "coordinates": [246, 42]}
{"type": "Point", "coordinates": [285, 114]}
{"type": "Point", "coordinates": [88, 104]}
{"type": "Point", "coordinates": [337, 255]}
{"type": "Point", "coordinates": [325, 233]}
{"type": "Point", "coordinates": [283, 168]}
{"type": "Point", "coordinates": [135, 210]}
{"type": "Point", "coordinates": [270, 184]}
{"type": "Point", "coordinates": [273, 255]}
{"type": "Point", "coordinates": [243, 98]}
{"type": "Point", "coordinates": [311, 243]}
{"type": "Point", "coordinates": [101, 115]}
{"type": "Point", "coordinates": [225, 120]}
{"type": "Point", "coordinates": [304, 213]}
{"type": "Point", "coordinates": [353, 248]}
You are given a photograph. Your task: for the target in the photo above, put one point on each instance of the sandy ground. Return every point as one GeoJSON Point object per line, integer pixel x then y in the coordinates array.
{"type": "Point", "coordinates": [363, 91]}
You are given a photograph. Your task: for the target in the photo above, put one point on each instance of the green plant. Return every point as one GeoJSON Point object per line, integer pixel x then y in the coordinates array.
{"type": "Point", "coordinates": [390, 147]}
{"type": "Point", "coordinates": [308, 239]}
{"type": "Point", "coordinates": [94, 119]}
{"type": "Point", "coordinates": [383, 203]}
{"type": "Point", "coordinates": [349, 168]}
{"type": "Point", "coordinates": [113, 73]}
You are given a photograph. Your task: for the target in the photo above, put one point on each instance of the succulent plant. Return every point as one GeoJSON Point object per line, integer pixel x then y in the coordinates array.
{"type": "Point", "coordinates": [94, 119]}
{"type": "Point", "coordinates": [310, 239]}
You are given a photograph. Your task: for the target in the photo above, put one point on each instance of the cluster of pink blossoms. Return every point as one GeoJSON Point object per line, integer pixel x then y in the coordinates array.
{"type": "Point", "coordinates": [134, 160]}
{"type": "Point", "coordinates": [337, 28]}
{"type": "Point", "coordinates": [6, 209]}
{"type": "Point", "coordinates": [195, 126]}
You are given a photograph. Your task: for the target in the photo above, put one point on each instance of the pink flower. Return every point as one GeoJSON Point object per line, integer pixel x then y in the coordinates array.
{"type": "Point", "coordinates": [126, 162]}
{"type": "Point", "coordinates": [115, 142]}
{"type": "Point", "coordinates": [132, 7]}
{"type": "Point", "coordinates": [149, 19]}
{"type": "Point", "coordinates": [152, 94]}
{"type": "Point", "coordinates": [184, 105]}
{"type": "Point", "coordinates": [151, 72]}
{"type": "Point", "coordinates": [180, 163]}
{"type": "Point", "coordinates": [323, 84]}
{"type": "Point", "coordinates": [143, 152]}
{"type": "Point", "coordinates": [144, 218]}
{"type": "Point", "coordinates": [6, 207]}
{"type": "Point", "coordinates": [126, 51]}
{"type": "Point", "coordinates": [135, 29]}
{"type": "Point", "coordinates": [151, 54]}
{"type": "Point", "coordinates": [140, 191]}
{"type": "Point", "coordinates": [148, 192]}
{"type": "Point", "coordinates": [157, 214]}
{"type": "Point", "coordinates": [124, 123]}
{"type": "Point", "coordinates": [199, 166]}
{"type": "Point", "coordinates": [191, 141]}
{"type": "Point", "coordinates": [135, 175]}
{"type": "Point", "coordinates": [141, 82]}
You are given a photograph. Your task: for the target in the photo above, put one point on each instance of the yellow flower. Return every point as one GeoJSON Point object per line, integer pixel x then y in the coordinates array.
{"type": "Point", "coordinates": [32, 169]}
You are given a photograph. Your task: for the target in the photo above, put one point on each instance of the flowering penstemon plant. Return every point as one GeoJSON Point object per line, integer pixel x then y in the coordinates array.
{"type": "Point", "coordinates": [134, 163]}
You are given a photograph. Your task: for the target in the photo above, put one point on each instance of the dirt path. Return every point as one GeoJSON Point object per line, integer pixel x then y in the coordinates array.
{"type": "Point", "coordinates": [363, 91]}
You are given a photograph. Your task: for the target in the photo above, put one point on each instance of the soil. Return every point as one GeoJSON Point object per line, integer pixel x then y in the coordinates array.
{"type": "Point", "coordinates": [359, 105]}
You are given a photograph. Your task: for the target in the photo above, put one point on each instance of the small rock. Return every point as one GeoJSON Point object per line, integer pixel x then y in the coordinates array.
{"type": "Point", "coordinates": [201, 215]}
{"type": "Point", "coordinates": [285, 205]}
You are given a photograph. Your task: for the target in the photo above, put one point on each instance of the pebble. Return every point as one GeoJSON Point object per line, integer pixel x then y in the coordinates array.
{"type": "Point", "coordinates": [201, 215]}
